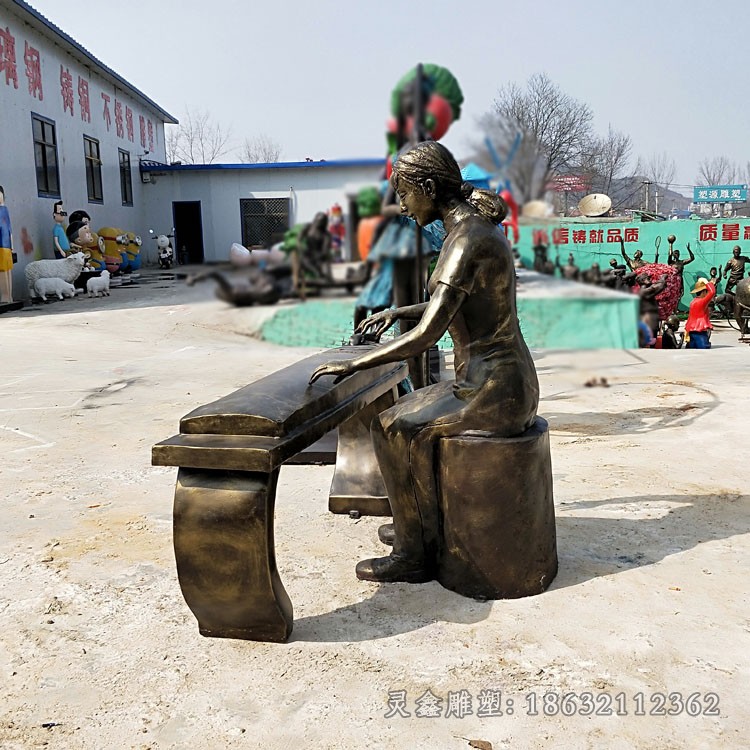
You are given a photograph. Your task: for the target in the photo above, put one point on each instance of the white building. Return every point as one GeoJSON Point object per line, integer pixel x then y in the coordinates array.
{"type": "Point", "coordinates": [212, 206]}
{"type": "Point", "coordinates": [72, 129]}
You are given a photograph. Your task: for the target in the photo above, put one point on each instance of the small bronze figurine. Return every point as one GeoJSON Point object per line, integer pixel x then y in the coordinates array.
{"type": "Point", "coordinates": [617, 276]}
{"type": "Point", "coordinates": [593, 275]}
{"type": "Point", "coordinates": [542, 264]}
{"type": "Point", "coordinates": [723, 304]}
{"type": "Point", "coordinates": [636, 261]}
{"type": "Point", "coordinates": [570, 270]}
{"type": "Point", "coordinates": [313, 254]}
{"type": "Point", "coordinates": [673, 259]}
{"type": "Point", "coordinates": [670, 337]}
{"type": "Point", "coordinates": [649, 306]}
{"type": "Point", "coordinates": [735, 267]}
{"type": "Point", "coordinates": [742, 307]}
{"type": "Point", "coordinates": [495, 393]}
{"type": "Point", "coordinates": [713, 276]}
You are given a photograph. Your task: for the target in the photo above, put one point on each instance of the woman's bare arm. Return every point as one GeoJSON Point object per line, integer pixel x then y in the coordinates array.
{"type": "Point", "coordinates": [434, 322]}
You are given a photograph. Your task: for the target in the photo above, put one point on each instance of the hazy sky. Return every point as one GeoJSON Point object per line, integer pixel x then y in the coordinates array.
{"type": "Point", "coordinates": [316, 75]}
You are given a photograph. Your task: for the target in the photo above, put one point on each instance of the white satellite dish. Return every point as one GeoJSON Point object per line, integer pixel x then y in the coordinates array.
{"type": "Point", "coordinates": [536, 209]}
{"type": "Point", "coordinates": [594, 204]}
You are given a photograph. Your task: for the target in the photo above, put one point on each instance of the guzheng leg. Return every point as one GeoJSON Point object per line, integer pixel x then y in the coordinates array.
{"type": "Point", "coordinates": [224, 548]}
{"type": "Point", "coordinates": [357, 482]}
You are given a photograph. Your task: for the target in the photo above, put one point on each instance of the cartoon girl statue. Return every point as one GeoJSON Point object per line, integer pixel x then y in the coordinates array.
{"type": "Point", "coordinates": [6, 252]}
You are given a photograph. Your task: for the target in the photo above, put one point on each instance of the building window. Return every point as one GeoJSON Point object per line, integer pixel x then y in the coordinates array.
{"type": "Point", "coordinates": [126, 180]}
{"type": "Point", "coordinates": [45, 156]}
{"type": "Point", "coordinates": [93, 169]}
{"type": "Point", "coordinates": [264, 220]}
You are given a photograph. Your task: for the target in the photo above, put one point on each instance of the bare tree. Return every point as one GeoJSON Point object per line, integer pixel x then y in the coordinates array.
{"type": "Point", "coordinates": [717, 171]}
{"type": "Point", "coordinates": [605, 160]}
{"type": "Point", "coordinates": [197, 139]}
{"type": "Point", "coordinates": [260, 150]}
{"type": "Point", "coordinates": [658, 168]}
{"type": "Point", "coordinates": [555, 132]}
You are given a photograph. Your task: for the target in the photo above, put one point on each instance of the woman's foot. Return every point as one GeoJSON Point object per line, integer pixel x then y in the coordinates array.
{"type": "Point", "coordinates": [392, 570]}
{"type": "Point", "coordinates": [387, 534]}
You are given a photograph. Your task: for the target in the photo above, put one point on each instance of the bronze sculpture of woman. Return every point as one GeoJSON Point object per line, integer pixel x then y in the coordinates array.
{"type": "Point", "coordinates": [496, 392]}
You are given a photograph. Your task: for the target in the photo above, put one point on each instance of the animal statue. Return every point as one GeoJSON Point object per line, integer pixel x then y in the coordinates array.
{"type": "Point", "coordinates": [68, 269]}
{"type": "Point", "coordinates": [99, 285]}
{"type": "Point", "coordinates": [59, 287]}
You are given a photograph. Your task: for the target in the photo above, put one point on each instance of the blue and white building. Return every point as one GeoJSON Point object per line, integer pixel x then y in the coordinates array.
{"type": "Point", "coordinates": [72, 130]}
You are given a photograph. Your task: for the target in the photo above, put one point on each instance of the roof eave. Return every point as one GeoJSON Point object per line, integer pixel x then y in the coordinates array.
{"type": "Point", "coordinates": [43, 24]}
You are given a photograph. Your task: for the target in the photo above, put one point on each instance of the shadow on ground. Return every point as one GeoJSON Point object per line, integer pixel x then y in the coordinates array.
{"type": "Point", "coordinates": [588, 547]}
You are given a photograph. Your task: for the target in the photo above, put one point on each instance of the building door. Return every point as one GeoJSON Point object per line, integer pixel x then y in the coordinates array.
{"type": "Point", "coordinates": [188, 231]}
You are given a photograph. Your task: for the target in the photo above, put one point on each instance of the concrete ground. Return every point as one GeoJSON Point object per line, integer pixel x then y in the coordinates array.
{"type": "Point", "coordinates": [643, 639]}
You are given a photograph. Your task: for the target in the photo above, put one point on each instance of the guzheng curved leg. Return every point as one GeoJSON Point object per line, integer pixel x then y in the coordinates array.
{"type": "Point", "coordinates": [224, 548]}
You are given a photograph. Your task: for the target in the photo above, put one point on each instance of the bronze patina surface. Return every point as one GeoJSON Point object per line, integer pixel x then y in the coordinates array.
{"type": "Point", "coordinates": [229, 453]}
{"type": "Point", "coordinates": [494, 397]}
{"type": "Point", "coordinates": [735, 268]}
{"type": "Point", "coordinates": [742, 308]}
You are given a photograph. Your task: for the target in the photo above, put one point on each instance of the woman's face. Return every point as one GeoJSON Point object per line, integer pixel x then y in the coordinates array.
{"type": "Point", "coordinates": [415, 204]}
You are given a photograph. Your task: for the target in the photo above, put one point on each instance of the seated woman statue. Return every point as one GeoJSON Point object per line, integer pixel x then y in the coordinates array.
{"type": "Point", "coordinates": [496, 392]}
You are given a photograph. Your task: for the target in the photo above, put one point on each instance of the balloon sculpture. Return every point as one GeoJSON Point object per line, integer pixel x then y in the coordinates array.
{"type": "Point", "coordinates": [670, 297]}
{"type": "Point", "coordinates": [442, 98]}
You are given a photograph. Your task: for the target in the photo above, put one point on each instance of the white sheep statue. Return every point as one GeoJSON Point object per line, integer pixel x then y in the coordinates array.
{"type": "Point", "coordinates": [68, 269]}
{"type": "Point", "coordinates": [56, 286]}
{"type": "Point", "coordinates": [98, 285]}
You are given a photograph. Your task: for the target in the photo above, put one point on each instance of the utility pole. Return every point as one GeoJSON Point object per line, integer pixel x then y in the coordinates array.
{"type": "Point", "coordinates": [656, 201]}
{"type": "Point", "coordinates": [647, 184]}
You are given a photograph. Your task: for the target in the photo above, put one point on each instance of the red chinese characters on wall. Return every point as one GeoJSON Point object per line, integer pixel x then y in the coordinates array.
{"type": "Point", "coordinates": [8, 57]}
{"type": "Point", "coordinates": [566, 235]}
{"type": "Point", "coordinates": [66, 89]}
{"type": "Point", "coordinates": [730, 232]}
{"type": "Point", "coordinates": [119, 126]}
{"type": "Point", "coordinates": [106, 114]}
{"type": "Point", "coordinates": [33, 70]}
{"type": "Point", "coordinates": [129, 123]}
{"type": "Point", "coordinates": [83, 99]}
{"type": "Point", "coordinates": [32, 59]}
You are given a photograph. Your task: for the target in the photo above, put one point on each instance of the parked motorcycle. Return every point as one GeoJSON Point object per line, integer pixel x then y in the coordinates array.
{"type": "Point", "coordinates": [164, 248]}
